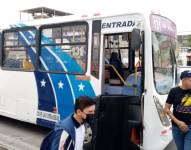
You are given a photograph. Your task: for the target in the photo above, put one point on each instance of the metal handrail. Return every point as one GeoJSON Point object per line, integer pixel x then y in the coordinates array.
{"type": "Point", "coordinates": [123, 81]}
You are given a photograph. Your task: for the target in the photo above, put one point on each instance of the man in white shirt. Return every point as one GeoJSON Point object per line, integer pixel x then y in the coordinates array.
{"type": "Point", "coordinates": [69, 133]}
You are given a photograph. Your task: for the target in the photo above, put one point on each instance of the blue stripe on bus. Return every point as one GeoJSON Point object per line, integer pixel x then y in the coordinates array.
{"type": "Point", "coordinates": [66, 107]}
{"type": "Point", "coordinates": [45, 123]}
{"type": "Point", "coordinates": [69, 62]}
{"type": "Point", "coordinates": [64, 96]}
{"type": "Point", "coordinates": [46, 96]}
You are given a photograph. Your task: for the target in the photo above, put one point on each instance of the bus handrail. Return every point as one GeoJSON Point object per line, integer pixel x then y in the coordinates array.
{"type": "Point", "coordinates": [120, 77]}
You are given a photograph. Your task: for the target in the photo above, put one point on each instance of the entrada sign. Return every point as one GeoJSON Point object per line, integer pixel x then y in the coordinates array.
{"type": "Point", "coordinates": [118, 24]}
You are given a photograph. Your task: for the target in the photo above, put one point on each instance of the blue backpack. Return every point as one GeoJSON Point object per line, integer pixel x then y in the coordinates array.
{"type": "Point", "coordinates": [52, 140]}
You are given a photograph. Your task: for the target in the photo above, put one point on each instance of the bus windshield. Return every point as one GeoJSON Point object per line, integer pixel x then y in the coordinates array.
{"type": "Point", "coordinates": [163, 47]}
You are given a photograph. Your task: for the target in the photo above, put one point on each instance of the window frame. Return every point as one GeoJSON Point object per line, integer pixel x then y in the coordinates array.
{"type": "Point", "coordinates": [61, 25]}
{"type": "Point", "coordinates": [18, 29]}
{"type": "Point", "coordinates": [96, 29]}
{"type": "Point", "coordinates": [121, 48]}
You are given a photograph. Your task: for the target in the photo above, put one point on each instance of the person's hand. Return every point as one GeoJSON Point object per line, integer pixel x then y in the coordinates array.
{"type": "Point", "coordinates": [183, 126]}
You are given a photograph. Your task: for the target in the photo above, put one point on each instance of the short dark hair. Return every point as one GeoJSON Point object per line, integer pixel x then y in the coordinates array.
{"type": "Point", "coordinates": [83, 102]}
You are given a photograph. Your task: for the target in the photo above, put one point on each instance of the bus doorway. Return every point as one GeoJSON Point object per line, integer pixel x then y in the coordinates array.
{"type": "Point", "coordinates": [122, 72]}
{"type": "Point", "coordinates": [119, 108]}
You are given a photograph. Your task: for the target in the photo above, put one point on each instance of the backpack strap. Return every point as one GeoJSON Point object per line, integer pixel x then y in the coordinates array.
{"type": "Point", "coordinates": [52, 140]}
{"type": "Point", "coordinates": [67, 125]}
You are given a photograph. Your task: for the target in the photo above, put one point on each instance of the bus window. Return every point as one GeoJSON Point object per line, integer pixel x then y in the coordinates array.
{"type": "Point", "coordinates": [16, 48]}
{"type": "Point", "coordinates": [124, 53]}
{"type": "Point", "coordinates": [122, 66]}
{"type": "Point", "coordinates": [117, 52]}
{"type": "Point", "coordinates": [68, 42]}
{"type": "Point", "coordinates": [95, 48]}
{"type": "Point", "coordinates": [53, 35]}
{"type": "Point", "coordinates": [74, 34]}
{"type": "Point", "coordinates": [116, 58]}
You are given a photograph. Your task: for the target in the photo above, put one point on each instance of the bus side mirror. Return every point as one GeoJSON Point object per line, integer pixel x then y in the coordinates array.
{"type": "Point", "coordinates": [135, 39]}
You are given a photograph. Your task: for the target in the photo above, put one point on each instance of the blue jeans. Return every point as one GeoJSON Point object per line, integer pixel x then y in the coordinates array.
{"type": "Point", "coordinates": [182, 140]}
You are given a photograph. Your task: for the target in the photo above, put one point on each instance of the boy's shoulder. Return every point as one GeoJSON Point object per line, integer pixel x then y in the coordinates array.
{"type": "Point", "coordinates": [175, 88]}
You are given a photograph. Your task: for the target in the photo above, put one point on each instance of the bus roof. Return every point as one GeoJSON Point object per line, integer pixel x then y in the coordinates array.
{"type": "Point", "coordinates": [70, 18]}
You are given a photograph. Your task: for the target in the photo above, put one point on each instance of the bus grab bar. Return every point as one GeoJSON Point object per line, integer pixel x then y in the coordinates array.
{"type": "Point", "coordinates": [120, 77]}
{"type": "Point", "coordinates": [125, 82]}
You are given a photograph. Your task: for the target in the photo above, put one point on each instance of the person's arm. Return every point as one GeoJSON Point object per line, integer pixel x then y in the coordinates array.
{"type": "Point", "coordinates": [183, 127]}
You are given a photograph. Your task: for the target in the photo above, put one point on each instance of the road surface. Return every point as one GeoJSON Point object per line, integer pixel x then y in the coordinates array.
{"type": "Point", "coordinates": [171, 146]}
{"type": "Point", "coordinates": [20, 135]}
{"type": "Point", "coordinates": [24, 136]}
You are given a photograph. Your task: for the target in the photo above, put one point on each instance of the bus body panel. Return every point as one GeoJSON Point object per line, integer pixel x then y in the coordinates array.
{"type": "Point", "coordinates": [19, 98]}
{"type": "Point", "coordinates": [154, 129]}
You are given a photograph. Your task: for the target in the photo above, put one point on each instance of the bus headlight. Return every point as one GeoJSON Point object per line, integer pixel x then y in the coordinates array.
{"type": "Point", "coordinates": [163, 117]}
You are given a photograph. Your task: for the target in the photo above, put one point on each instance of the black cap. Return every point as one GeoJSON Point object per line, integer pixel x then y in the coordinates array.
{"type": "Point", "coordinates": [185, 74]}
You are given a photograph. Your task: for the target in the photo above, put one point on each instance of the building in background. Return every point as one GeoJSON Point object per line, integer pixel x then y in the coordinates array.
{"type": "Point", "coordinates": [184, 49]}
{"type": "Point", "coordinates": [183, 53]}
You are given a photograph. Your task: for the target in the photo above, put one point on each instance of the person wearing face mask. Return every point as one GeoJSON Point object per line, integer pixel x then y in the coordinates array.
{"type": "Point", "coordinates": [70, 132]}
{"type": "Point", "coordinates": [180, 98]}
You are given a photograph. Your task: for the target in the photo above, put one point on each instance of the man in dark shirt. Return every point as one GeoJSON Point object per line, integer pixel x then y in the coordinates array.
{"type": "Point", "coordinates": [180, 98]}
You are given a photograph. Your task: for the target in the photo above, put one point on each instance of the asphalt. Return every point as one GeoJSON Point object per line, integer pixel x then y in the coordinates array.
{"type": "Point", "coordinates": [15, 143]}
{"type": "Point", "coordinates": [17, 135]}
{"type": "Point", "coordinates": [3, 148]}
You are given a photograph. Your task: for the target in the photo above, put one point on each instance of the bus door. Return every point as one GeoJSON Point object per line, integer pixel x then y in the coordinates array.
{"type": "Point", "coordinates": [116, 59]}
{"type": "Point", "coordinates": [122, 65]}
{"type": "Point", "coordinates": [119, 107]}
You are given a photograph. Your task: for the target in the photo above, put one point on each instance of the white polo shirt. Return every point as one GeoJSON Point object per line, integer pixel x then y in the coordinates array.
{"type": "Point", "coordinates": [80, 135]}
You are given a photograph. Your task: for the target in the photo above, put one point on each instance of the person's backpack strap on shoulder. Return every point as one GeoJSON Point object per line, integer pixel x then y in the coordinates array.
{"type": "Point", "coordinates": [67, 125]}
{"type": "Point", "coordinates": [52, 140]}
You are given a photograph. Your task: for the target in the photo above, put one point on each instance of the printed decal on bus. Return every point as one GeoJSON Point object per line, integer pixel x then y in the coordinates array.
{"type": "Point", "coordinates": [48, 116]}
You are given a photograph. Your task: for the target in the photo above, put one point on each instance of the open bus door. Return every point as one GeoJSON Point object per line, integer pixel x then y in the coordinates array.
{"type": "Point", "coordinates": [118, 121]}
{"type": "Point", "coordinates": [117, 117]}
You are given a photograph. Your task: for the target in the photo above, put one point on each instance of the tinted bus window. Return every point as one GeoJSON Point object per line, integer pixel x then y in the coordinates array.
{"type": "Point", "coordinates": [19, 48]}
{"type": "Point", "coordinates": [64, 48]}
{"type": "Point", "coordinates": [96, 29]}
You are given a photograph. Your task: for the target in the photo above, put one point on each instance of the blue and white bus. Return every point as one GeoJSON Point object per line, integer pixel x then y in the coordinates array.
{"type": "Point", "coordinates": [46, 64]}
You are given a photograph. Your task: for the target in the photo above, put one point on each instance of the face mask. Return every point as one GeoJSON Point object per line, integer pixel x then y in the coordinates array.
{"type": "Point", "coordinates": [89, 119]}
